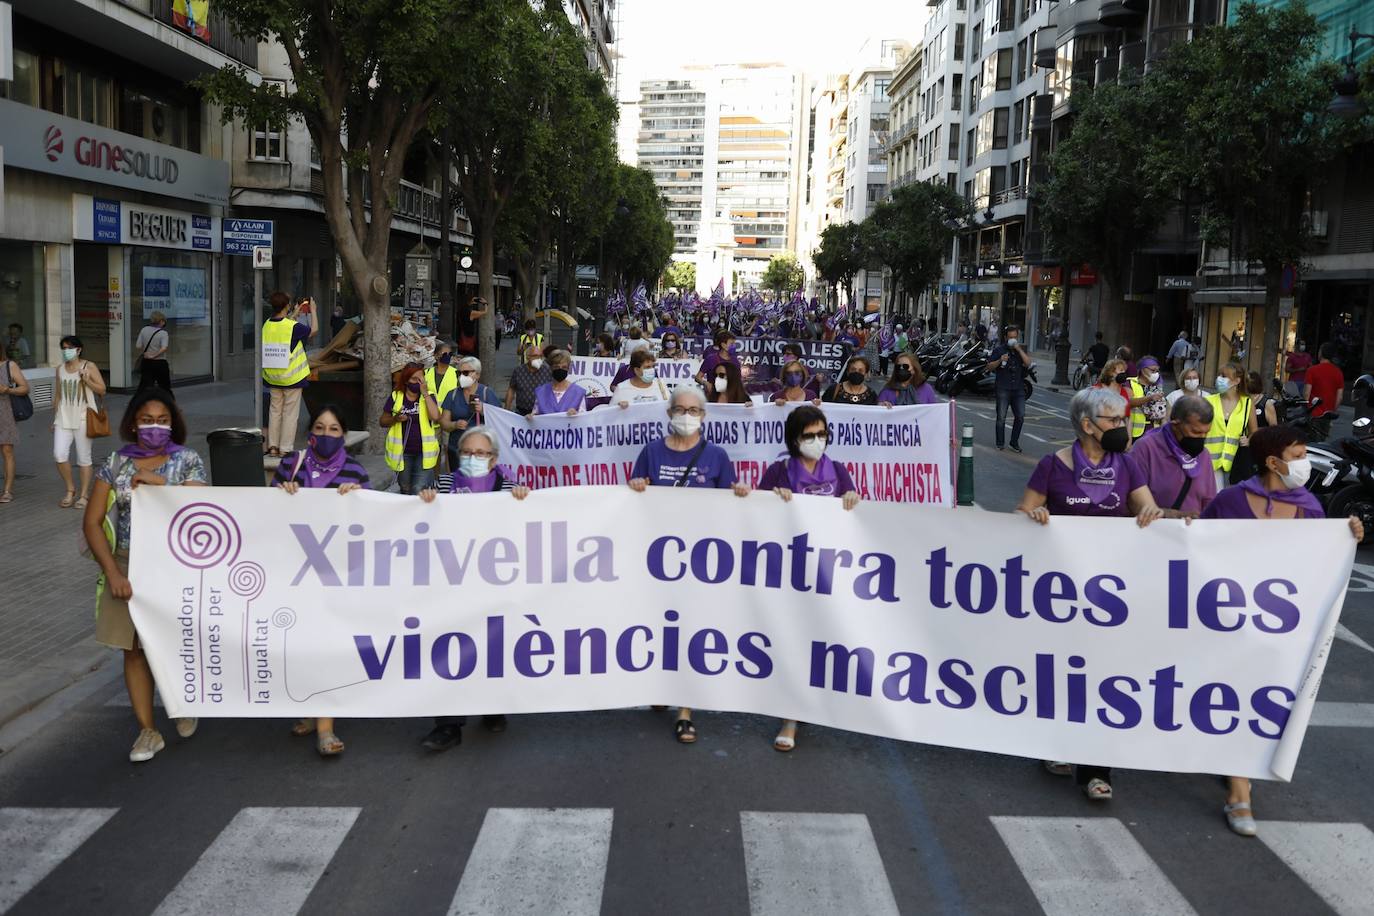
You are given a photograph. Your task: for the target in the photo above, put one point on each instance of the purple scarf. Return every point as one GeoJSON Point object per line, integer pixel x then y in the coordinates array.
{"type": "Point", "coordinates": [1096, 482]}
{"type": "Point", "coordinates": [822, 482]}
{"type": "Point", "coordinates": [1191, 464]}
{"type": "Point", "coordinates": [484, 484]}
{"type": "Point", "coordinates": [319, 473]}
{"type": "Point", "coordinates": [134, 450]}
{"type": "Point", "coordinates": [1301, 497]}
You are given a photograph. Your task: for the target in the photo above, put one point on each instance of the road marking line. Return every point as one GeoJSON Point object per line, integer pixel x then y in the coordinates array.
{"type": "Point", "coordinates": [1343, 715]}
{"type": "Point", "coordinates": [1336, 860]}
{"type": "Point", "coordinates": [1081, 866]}
{"type": "Point", "coordinates": [1032, 436]}
{"type": "Point", "coordinates": [1344, 634]}
{"type": "Point", "coordinates": [528, 860]}
{"type": "Point", "coordinates": [266, 861]}
{"type": "Point", "coordinates": [813, 863]}
{"type": "Point", "coordinates": [34, 841]}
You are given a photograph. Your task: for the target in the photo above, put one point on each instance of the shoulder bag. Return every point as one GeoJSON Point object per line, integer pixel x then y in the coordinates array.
{"type": "Point", "coordinates": [97, 421]}
{"type": "Point", "coordinates": [20, 404]}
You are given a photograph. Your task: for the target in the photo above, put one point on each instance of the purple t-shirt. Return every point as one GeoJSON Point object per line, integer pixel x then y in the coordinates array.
{"type": "Point", "coordinates": [1064, 495]}
{"type": "Point", "coordinates": [664, 466]}
{"type": "Point", "coordinates": [1164, 476]}
{"type": "Point", "coordinates": [777, 476]}
{"type": "Point", "coordinates": [410, 420]}
{"type": "Point", "coordinates": [905, 397]}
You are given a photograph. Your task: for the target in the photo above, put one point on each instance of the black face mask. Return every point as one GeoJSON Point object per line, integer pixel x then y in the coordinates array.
{"type": "Point", "coordinates": [1192, 445]}
{"type": "Point", "coordinates": [854, 378]}
{"type": "Point", "coordinates": [903, 373]}
{"type": "Point", "coordinates": [1116, 439]}
{"type": "Point", "coordinates": [559, 374]}
{"type": "Point", "coordinates": [1121, 378]}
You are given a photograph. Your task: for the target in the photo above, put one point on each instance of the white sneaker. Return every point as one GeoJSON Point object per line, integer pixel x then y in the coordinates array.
{"type": "Point", "coordinates": [149, 743]}
{"type": "Point", "coordinates": [187, 727]}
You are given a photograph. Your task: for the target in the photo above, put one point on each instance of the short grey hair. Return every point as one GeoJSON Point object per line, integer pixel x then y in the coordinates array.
{"type": "Point", "coordinates": [1089, 403]}
{"type": "Point", "coordinates": [688, 390]}
{"type": "Point", "coordinates": [472, 361]}
{"type": "Point", "coordinates": [485, 433]}
{"type": "Point", "coordinates": [1191, 406]}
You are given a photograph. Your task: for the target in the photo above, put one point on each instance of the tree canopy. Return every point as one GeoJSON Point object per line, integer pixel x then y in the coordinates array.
{"type": "Point", "coordinates": [840, 255]}
{"type": "Point", "coordinates": [639, 238]}
{"type": "Point", "coordinates": [784, 275]}
{"type": "Point", "coordinates": [910, 232]}
{"type": "Point", "coordinates": [680, 275]}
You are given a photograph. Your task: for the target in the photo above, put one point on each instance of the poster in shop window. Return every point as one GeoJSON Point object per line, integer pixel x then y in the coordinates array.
{"type": "Point", "coordinates": [180, 293]}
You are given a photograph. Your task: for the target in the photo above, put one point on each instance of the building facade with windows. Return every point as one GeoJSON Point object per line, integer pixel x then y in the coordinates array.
{"type": "Point", "coordinates": [596, 21]}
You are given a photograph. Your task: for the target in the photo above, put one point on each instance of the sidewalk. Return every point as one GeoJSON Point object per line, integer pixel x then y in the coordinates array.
{"type": "Point", "coordinates": [47, 589]}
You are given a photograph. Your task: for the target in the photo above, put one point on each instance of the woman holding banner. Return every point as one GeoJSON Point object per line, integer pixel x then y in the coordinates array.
{"type": "Point", "coordinates": [795, 385]}
{"type": "Point", "coordinates": [559, 395]}
{"type": "Point", "coordinates": [155, 456]}
{"type": "Point", "coordinates": [907, 385]}
{"type": "Point", "coordinates": [852, 388]}
{"type": "Point", "coordinates": [642, 386]}
{"type": "Point", "coordinates": [808, 470]}
{"type": "Point", "coordinates": [322, 465]}
{"type": "Point", "coordinates": [684, 458]}
{"type": "Point", "coordinates": [1277, 491]}
{"type": "Point", "coordinates": [1093, 477]}
{"type": "Point", "coordinates": [727, 386]}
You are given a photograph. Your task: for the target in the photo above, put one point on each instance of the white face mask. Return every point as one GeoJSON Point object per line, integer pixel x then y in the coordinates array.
{"type": "Point", "coordinates": [466, 381]}
{"type": "Point", "coordinates": [1012, 341]}
{"type": "Point", "coordinates": [70, 353]}
{"type": "Point", "coordinates": [1299, 469]}
{"type": "Point", "coordinates": [1190, 384]}
{"type": "Point", "coordinates": [472, 466]}
{"type": "Point", "coordinates": [1151, 377]}
{"type": "Point", "coordinates": [685, 425]}
{"type": "Point", "coordinates": [647, 375]}
{"type": "Point", "coordinates": [721, 384]}
{"type": "Point", "coordinates": [536, 364]}
{"type": "Point", "coordinates": [813, 450]}
{"type": "Point", "coordinates": [1223, 384]}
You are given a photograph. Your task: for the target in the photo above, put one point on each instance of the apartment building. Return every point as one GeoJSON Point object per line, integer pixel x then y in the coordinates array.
{"type": "Point", "coordinates": [596, 21]}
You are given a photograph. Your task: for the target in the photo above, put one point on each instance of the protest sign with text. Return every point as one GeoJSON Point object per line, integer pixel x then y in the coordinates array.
{"type": "Point", "coordinates": [596, 374]}
{"type": "Point", "coordinates": [962, 628]}
{"type": "Point", "coordinates": [761, 359]}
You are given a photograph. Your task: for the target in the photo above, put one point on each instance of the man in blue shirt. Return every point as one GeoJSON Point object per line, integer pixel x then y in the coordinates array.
{"type": "Point", "coordinates": [1010, 361]}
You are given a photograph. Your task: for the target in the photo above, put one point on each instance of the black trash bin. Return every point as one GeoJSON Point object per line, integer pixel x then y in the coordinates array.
{"type": "Point", "coordinates": [236, 458]}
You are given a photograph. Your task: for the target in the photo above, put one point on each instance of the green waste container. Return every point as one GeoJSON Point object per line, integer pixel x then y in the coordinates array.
{"type": "Point", "coordinates": [236, 458]}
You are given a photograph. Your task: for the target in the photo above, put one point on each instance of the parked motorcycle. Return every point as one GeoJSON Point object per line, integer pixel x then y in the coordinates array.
{"type": "Point", "coordinates": [971, 374]}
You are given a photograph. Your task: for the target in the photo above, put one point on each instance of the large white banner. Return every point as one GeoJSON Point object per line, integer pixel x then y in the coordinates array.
{"type": "Point", "coordinates": [899, 454]}
{"type": "Point", "coordinates": [1171, 648]}
{"type": "Point", "coordinates": [596, 374]}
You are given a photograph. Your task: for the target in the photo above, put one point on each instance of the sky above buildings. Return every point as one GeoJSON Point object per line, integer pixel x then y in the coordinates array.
{"type": "Point", "coordinates": [819, 36]}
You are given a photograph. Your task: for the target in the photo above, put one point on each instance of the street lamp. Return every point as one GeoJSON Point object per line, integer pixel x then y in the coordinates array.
{"type": "Point", "coordinates": [1346, 102]}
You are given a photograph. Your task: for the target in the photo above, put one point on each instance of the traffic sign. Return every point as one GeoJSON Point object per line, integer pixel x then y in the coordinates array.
{"type": "Point", "coordinates": [241, 236]}
{"type": "Point", "coordinates": [262, 258]}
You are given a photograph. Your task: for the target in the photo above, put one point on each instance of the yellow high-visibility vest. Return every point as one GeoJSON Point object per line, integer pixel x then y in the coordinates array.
{"type": "Point", "coordinates": [396, 442]}
{"type": "Point", "coordinates": [282, 364]}
{"type": "Point", "coordinates": [1223, 439]}
{"type": "Point", "coordinates": [1137, 412]}
{"type": "Point", "coordinates": [441, 385]}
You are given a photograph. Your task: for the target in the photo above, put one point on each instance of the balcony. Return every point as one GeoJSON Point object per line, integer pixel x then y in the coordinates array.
{"type": "Point", "coordinates": [1044, 48]}
{"type": "Point", "coordinates": [1105, 70]}
{"type": "Point", "coordinates": [1131, 62]}
{"type": "Point", "coordinates": [1034, 251]}
{"type": "Point", "coordinates": [1009, 195]}
{"type": "Point", "coordinates": [1042, 112]}
{"type": "Point", "coordinates": [1120, 14]}
{"type": "Point", "coordinates": [222, 38]}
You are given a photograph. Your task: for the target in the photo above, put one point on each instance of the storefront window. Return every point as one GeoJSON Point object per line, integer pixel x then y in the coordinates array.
{"type": "Point", "coordinates": [23, 324]}
{"type": "Point", "coordinates": [178, 284]}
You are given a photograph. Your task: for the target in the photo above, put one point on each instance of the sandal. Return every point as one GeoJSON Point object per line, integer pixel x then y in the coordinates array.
{"type": "Point", "coordinates": [1098, 790]}
{"type": "Point", "coordinates": [787, 737]}
{"type": "Point", "coordinates": [6, 497]}
{"type": "Point", "coordinates": [69, 500]}
{"type": "Point", "coordinates": [328, 744]}
{"type": "Point", "coordinates": [82, 502]}
{"type": "Point", "coordinates": [303, 727]}
{"type": "Point", "coordinates": [685, 732]}
{"type": "Point", "coordinates": [274, 452]}
{"type": "Point", "coordinates": [1058, 767]}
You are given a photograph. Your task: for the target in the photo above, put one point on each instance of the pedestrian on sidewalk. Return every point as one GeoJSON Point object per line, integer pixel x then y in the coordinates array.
{"type": "Point", "coordinates": [79, 384]}
{"type": "Point", "coordinates": [322, 464]}
{"type": "Point", "coordinates": [285, 369]}
{"type": "Point", "coordinates": [12, 385]}
{"type": "Point", "coordinates": [526, 379]}
{"type": "Point", "coordinates": [154, 345]}
{"type": "Point", "coordinates": [156, 456]}
{"type": "Point", "coordinates": [1178, 354]}
{"type": "Point", "coordinates": [464, 406]}
{"type": "Point", "coordinates": [1324, 389]}
{"type": "Point", "coordinates": [1010, 361]}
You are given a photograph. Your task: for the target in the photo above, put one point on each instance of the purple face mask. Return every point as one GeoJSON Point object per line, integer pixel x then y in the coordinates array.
{"type": "Point", "coordinates": [793, 379]}
{"type": "Point", "coordinates": [154, 438]}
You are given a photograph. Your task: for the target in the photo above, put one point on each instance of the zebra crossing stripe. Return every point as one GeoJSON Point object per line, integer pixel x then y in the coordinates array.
{"type": "Point", "coordinates": [1082, 866]}
{"type": "Point", "coordinates": [536, 860]}
{"type": "Point", "coordinates": [265, 862]}
{"type": "Point", "coordinates": [1336, 860]}
{"type": "Point", "coordinates": [813, 863]}
{"type": "Point", "coordinates": [1343, 715]}
{"type": "Point", "coordinates": [34, 841]}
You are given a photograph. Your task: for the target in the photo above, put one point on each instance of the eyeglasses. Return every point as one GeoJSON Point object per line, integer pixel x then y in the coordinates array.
{"type": "Point", "coordinates": [686, 412]}
{"type": "Point", "coordinates": [467, 371]}
{"type": "Point", "coordinates": [814, 437]}
{"type": "Point", "coordinates": [1114, 421]}
{"type": "Point", "coordinates": [483, 455]}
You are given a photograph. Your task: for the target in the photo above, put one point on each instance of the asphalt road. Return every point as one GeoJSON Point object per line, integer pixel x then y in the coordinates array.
{"type": "Point", "coordinates": [604, 812]}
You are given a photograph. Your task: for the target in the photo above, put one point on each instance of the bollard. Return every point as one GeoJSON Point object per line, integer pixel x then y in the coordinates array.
{"type": "Point", "coordinates": [965, 488]}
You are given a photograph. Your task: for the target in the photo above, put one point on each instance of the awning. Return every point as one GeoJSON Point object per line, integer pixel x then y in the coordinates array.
{"type": "Point", "coordinates": [1237, 296]}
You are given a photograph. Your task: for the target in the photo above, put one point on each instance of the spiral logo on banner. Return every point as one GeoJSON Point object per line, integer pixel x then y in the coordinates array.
{"type": "Point", "coordinates": [202, 535]}
{"type": "Point", "coordinates": [247, 579]}
{"type": "Point", "coordinates": [283, 618]}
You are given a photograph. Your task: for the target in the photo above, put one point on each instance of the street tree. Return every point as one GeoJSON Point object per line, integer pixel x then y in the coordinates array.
{"type": "Point", "coordinates": [639, 238]}
{"type": "Point", "coordinates": [910, 232]}
{"type": "Point", "coordinates": [1252, 138]}
{"type": "Point", "coordinates": [783, 275]}
{"type": "Point", "coordinates": [840, 255]}
{"type": "Point", "coordinates": [681, 275]}
{"type": "Point", "coordinates": [364, 81]}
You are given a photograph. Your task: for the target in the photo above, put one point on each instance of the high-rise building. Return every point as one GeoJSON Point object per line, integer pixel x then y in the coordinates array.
{"type": "Point", "coordinates": [596, 20]}
{"type": "Point", "coordinates": [727, 143]}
